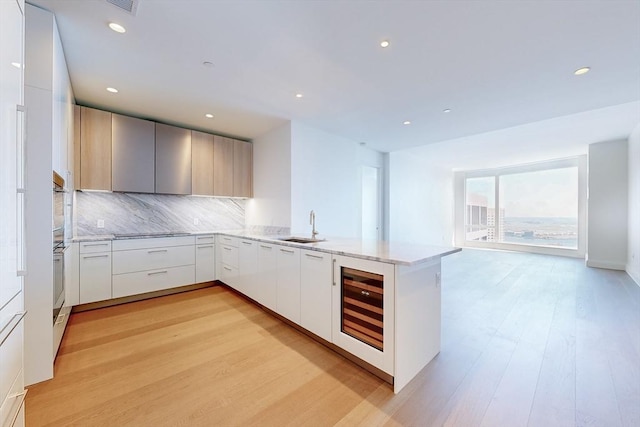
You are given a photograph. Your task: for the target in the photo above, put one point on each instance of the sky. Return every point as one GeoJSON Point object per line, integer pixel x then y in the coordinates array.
{"type": "Point", "coordinates": [547, 193]}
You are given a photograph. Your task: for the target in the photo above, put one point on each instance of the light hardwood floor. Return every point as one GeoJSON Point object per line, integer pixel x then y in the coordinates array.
{"type": "Point", "coordinates": [527, 340]}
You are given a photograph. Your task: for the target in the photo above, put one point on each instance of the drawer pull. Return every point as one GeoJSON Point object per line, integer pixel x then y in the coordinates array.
{"type": "Point", "coordinates": [226, 268]}
{"type": "Point", "coordinates": [286, 250]}
{"type": "Point", "coordinates": [365, 293]}
{"type": "Point", "coordinates": [226, 248]}
{"type": "Point", "coordinates": [247, 243]}
{"type": "Point", "coordinates": [205, 238]}
{"type": "Point", "coordinates": [315, 256]}
{"type": "Point", "coordinates": [95, 256]}
{"type": "Point", "coordinates": [228, 239]}
{"type": "Point", "coordinates": [95, 244]}
{"type": "Point", "coordinates": [266, 247]}
{"type": "Point", "coordinates": [205, 246]}
{"type": "Point", "coordinates": [153, 273]}
{"type": "Point", "coordinates": [10, 326]}
{"type": "Point", "coordinates": [156, 251]}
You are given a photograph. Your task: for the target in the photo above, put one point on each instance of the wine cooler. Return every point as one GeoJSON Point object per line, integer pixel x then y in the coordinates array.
{"type": "Point", "coordinates": [363, 306]}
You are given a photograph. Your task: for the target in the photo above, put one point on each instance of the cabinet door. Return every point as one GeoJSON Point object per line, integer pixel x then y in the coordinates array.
{"type": "Point", "coordinates": [315, 292]}
{"type": "Point", "coordinates": [248, 267]}
{"type": "Point", "coordinates": [173, 160]}
{"type": "Point", "coordinates": [363, 310]}
{"type": "Point", "coordinates": [242, 168]}
{"type": "Point", "coordinates": [288, 283]}
{"type": "Point", "coordinates": [201, 163]}
{"type": "Point", "coordinates": [95, 149]}
{"type": "Point", "coordinates": [72, 275]}
{"type": "Point", "coordinates": [222, 166]}
{"type": "Point", "coordinates": [95, 277]}
{"type": "Point", "coordinates": [267, 273]}
{"type": "Point", "coordinates": [133, 149]}
{"type": "Point", "coordinates": [205, 259]}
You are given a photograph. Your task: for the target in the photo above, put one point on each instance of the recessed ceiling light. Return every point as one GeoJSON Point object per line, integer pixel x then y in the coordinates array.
{"type": "Point", "coordinates": [446, 110]}
{"type": "Point", "coordinates": [384, 43]}
{"type": "Point", "coordinates": [406, 122]}
{"type": "Point", "coordinates": [299, 95]}
{"type": "Point", "coordinates": [16, 64]}
{"type": "Point", "coordinates": [209, 116]}
{"type": "Point", "coordinates": [112, 90]}
{"type": "Point", "coordinates": [117, 27]}
{"type": "Point", "coordinates": [581, 71]}
{"type": "Point", "coordinates": [207, 64]}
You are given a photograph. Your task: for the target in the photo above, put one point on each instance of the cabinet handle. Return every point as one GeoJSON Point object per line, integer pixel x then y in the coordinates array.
{"type": "Point", "coordinates": [333, 272]}
{"type": "Point", "coordinates": [286, 250]}
{"type": "Point", "coordinates": [10, 326]}
{"type": "Point", "coordinates": [226, 248]}
{"type": "Point", "coordinates": [266, 247]}
{"type": "Point", "coordinates": [157, 272]}
{"type": "Point", "coordinates": [204, 238]}
{"type": "Point", "coordinates": [247, 243]}
{"type": "Point", "coordinates": [86, 245]}
{"type": "Point", "coordinates": [57, 260]}
{"type": "Point", "coordinates": [156, 251]}
{"type": "Point", "coordinates": [315, 256]}
{"type": "Point", "coordinates": [205, 246]}
{"type": "Point", "coordinates": [95, 256]}
{"type": "Point", "coordinates": [226, 268]}
{"type": "Point", "coordinates": [365, 293]}
{"type": "Point", "coordinates": [228, 239]}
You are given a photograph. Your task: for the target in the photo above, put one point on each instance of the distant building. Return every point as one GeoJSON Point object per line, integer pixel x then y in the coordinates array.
{"type": "Point", "coordinates": [481, 220]}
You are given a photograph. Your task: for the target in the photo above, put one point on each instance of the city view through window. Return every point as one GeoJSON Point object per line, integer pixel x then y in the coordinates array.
{"type": "Point", "coordinates": [533, 208]}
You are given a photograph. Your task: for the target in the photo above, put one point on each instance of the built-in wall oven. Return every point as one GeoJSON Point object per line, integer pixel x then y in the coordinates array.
{"type": "Point", "coordinates": [58, 244]}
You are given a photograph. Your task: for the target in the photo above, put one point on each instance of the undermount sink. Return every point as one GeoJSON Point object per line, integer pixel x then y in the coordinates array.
{"type": "Point", "coordinates": [301, 240]}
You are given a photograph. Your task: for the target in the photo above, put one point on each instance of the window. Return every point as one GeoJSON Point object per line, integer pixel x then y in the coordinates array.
{"type": "Point", "coordinates": [533, 205]}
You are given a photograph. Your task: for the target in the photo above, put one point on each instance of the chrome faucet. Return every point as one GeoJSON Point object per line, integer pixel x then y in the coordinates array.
{"type": "Point", "coordinates": [312, 221]}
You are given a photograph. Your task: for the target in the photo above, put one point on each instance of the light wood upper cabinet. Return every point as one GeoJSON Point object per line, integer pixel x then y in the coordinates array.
{"type": "Point", "coordinates": [133, 164]}
{"type": "Point", "coordinates": [173, 160]}
{"type": "Point", "coordinates": [223, 166]}
{"type": "Point", "coordinates": [242, 168]}
{"type": "Point", "coordinates": [95, 149]}
{"type": "Point", "coordinates": [76, 149]}
{"type": "Point", "coordinates": [202, 155]}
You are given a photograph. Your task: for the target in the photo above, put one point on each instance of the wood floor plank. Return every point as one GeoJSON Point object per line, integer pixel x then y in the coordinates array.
{"type": "Point", "coordinates": [526, 339]}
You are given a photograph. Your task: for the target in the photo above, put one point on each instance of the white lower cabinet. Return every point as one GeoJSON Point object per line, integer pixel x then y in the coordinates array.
{"type": "Point", "coordinates": [266, 285]}
{"type": "Point", "coordinates": [148, 265]}
{"type": "Point", "coordinates": [95, 271]}
{"type": "Point", "coordinates": [205, 259]}
{"type": "Point", "coordinates": [11, 366]}
{"type": "Point", "coordinates": [228, 254]}
{"type": "Point", "coordinates": [288, 283]}
{"type": "Point", "coordinates": [248, 267]}
{"type": "Point", "coordinates": [315, 292]}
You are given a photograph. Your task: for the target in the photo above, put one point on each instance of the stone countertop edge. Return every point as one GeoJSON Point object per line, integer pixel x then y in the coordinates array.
{"type": "Point", "coordinates": [336, 246]}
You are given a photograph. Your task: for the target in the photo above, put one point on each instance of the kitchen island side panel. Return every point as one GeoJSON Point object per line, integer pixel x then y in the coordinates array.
{"type": "Point", "coordinates": [418, 319]}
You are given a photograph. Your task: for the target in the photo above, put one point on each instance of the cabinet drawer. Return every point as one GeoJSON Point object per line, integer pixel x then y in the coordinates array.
{"type": "Point", "coordinates": [11, 347]}
{"type": "Point", "coordinates": [228, 240]}
{"type": "Point", "coordinates": [152, 258]}
{"type": "Point", "coordinates": [155, 242]}
{"type": "Point", "coordinates": [154, 280]}
{"type": "Point", "coordinates": [229, 255]}
{"type": "Point", "coordinates": [228, 275]}
{"type": "Point", "coordinates": [95, 277]}
{"type": "Point", "coordinates": [202, 240]}
{"type": "Point", "coordinates": [12, 408]}
{"type": "Point", "coordinates": [91, 247]}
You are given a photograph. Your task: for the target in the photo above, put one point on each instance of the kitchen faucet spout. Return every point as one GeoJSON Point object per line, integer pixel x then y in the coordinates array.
{"type": "Point", "coordinates": [312, 221]}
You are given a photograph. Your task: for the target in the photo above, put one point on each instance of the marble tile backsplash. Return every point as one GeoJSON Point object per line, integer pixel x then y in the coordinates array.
{"type": "Point", "coordinates": [125, 213]}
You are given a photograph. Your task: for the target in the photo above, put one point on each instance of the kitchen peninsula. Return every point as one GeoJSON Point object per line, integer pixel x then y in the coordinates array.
{"type": "Point", "coordinates": [375, 302]}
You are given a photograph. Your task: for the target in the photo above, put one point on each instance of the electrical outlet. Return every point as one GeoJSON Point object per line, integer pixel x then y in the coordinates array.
{"type": "Point", "coordinates": [196, 221]}
{"type": "Point", "coordinates": [101, 223]}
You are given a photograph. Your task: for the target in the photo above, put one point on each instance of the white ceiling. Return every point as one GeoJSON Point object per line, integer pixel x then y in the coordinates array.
{"type": "Point", "coordinates": [496, 64]}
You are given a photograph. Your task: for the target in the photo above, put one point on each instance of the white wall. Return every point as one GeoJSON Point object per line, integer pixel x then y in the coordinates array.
{"type": "Point", "coordinates": [420, 200]}
{"type": "Point", "coordinates": [271, 204]}
{"type": "Point", "coordinates": [325, 177]}
{"type": "Point", "coordinates": [633, 244]}
{"type": "Point", "coordinates": [607, 205]}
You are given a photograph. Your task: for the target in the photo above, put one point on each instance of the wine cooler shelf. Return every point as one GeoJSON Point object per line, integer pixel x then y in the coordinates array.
{"type": "Point", "coordinates": [363, 306]}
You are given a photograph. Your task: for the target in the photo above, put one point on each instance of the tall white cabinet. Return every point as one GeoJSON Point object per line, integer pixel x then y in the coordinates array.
{"type": "Point", "coordinates": [12, 193]}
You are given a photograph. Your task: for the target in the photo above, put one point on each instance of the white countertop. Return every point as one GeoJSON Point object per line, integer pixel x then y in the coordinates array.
{"type": "Point", "coordinates": [392, 252]}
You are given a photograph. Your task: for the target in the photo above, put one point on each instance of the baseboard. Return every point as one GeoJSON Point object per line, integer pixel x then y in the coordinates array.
{"type": "Point", "coordinates": [635, 276]}
{"type": "Point", "coordinates": [605, 264]}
